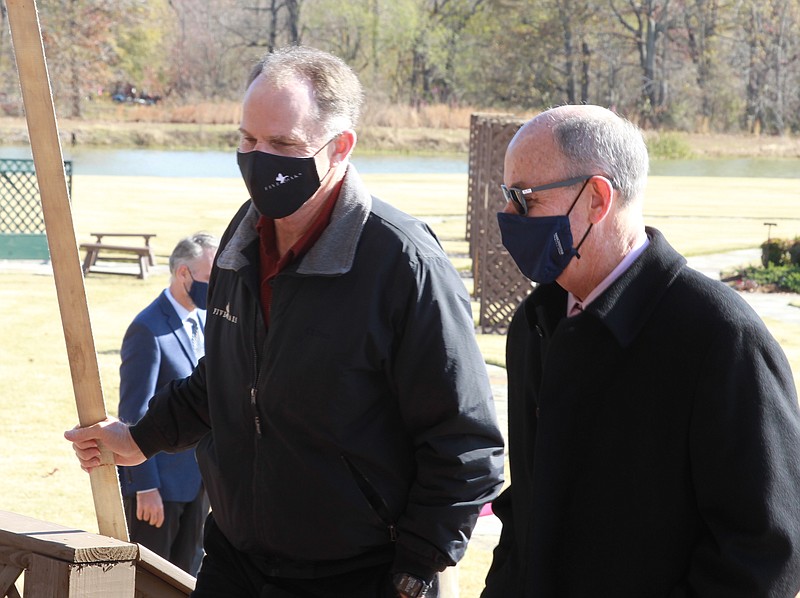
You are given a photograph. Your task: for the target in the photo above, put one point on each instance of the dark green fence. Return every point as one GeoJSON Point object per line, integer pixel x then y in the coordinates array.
{"type": "Point", "coordinates": [22, 231]}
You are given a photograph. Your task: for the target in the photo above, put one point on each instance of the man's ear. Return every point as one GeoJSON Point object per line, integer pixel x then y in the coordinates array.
{"type": "Point", "coordinates": [183, 273]}
{"type": "Point", "coordinates": [343, 145]}
{"type": "Point", "coordinates": [602, 198]}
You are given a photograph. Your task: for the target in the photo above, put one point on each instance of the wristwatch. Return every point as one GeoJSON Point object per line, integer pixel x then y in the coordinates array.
{"type": "Point", "coordinates": [410, 586]}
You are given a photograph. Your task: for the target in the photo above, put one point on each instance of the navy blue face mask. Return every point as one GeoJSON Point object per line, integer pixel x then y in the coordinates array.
{"type": "Point", "coordinates": [198, 293]}
{"type": "Point", "coordinates": [278, 185]}
{"type": "Point", "coordinates": [541, 246]}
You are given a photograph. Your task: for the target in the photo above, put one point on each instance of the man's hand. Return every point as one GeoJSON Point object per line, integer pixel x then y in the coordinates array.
{"type": "Point", "coordinates": [113, 435]}
{"type": "Point", "coordinates": [150, 507]}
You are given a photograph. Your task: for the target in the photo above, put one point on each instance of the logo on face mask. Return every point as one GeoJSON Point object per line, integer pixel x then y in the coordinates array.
{"type": "Point", "coordinates": [559, 247]}
{"type": "Point", "coordinates": [275, 194]}
{"type": "Point", "coordinates": [281, 179]}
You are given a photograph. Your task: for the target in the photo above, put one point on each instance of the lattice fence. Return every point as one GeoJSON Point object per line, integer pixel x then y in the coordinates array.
{"type": "Point", "coordinates": [498, 283]}
{"type": "Point", "coordinates": [22, 230]}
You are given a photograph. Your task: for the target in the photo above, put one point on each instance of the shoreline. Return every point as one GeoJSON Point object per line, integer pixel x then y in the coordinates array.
{"type": "Point", "coordinates": [373, 140]}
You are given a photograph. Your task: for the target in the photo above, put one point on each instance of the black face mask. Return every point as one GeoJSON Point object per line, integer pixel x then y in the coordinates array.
{"type": "Point", "coordinates": [278, 185]}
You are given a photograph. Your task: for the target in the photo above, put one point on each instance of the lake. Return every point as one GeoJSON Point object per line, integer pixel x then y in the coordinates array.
{"type": "Point", "coordinates": [169, 163]}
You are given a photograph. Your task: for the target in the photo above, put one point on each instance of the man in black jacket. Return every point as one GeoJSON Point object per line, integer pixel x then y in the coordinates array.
{"type": "Point", "coordinates": [654, 431]}
{"type": "Point", "coordinates": [342, 414]}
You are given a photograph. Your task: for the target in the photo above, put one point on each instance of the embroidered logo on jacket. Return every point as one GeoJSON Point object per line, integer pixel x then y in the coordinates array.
{"type": "Point", "coordinates": [225, 313]}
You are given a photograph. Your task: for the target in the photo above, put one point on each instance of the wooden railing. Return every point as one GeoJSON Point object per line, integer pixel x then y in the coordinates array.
{"type": "Point", "coordinates": [60, 562]}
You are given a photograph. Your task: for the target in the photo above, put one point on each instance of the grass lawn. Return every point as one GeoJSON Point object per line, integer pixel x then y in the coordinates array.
{"type": "Point", "coordinates": [43, 480]}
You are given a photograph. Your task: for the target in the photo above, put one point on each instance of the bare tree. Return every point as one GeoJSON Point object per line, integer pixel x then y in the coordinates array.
{"type": "Point", "coordinates": [646, 23]}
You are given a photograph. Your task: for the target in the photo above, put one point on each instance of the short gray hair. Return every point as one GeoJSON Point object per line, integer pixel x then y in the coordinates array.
{"type": "Point", "coordinates": [337, 91]}
{"type": "Point", "coordinates": [611, 146]}
{"type": "Point", "coordinates": [189, 249]}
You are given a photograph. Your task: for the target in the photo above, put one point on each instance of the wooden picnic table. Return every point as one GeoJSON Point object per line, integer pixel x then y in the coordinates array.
{"type": "Point", "coordinates": [143, 254]}
{"type": "Point", "coordinates": [145, 236]}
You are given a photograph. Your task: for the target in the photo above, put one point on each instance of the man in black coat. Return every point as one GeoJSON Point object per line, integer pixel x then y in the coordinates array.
{"type": "Point", "coordinates": [654, 432]}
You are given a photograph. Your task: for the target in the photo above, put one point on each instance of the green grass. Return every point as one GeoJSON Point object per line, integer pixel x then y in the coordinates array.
{"type": "Point", "coordinates": [42, 478]}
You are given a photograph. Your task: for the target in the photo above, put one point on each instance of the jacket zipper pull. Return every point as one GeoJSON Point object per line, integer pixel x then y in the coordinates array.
{"type": "Point", "coordinates": [255, 411]}
{"type": "Point", "coordinates": [392, 532]}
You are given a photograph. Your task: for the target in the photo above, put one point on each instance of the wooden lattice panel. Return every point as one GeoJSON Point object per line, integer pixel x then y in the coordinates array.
{"type": "Point", "coordinates": [498, 283]}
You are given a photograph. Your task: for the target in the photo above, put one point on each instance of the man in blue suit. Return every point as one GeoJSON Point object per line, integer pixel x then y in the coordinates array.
{"type": "Point", "coordinates": [165, 502]}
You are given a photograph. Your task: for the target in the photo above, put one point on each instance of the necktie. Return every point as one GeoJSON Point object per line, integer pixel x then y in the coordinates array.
{"type": "Point", "coordinates": [197, 339]}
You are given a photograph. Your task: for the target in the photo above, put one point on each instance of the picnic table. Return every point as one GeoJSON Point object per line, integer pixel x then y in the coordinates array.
{"type": "Point", "coordinates": [142, 254]}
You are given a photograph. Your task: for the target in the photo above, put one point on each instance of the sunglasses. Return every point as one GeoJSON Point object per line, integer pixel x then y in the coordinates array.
{"type": "Point", "coordinates": [517, 196]}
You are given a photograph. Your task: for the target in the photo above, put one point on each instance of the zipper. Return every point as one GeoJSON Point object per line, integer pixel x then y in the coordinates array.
{"type": "Point", "coordinates": [254, 387]}
{"type": "Point", "coordinates": [375, 500]}
{"type": "Point", "coordinates": [256, 418]}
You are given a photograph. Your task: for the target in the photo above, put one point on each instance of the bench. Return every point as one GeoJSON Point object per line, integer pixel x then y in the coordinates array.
{"type": "Point", "coordinates": [142, 254]}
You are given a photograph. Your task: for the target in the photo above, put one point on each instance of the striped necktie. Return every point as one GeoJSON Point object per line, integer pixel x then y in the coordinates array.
{"type": "Point", "coordinates": [197, 339]}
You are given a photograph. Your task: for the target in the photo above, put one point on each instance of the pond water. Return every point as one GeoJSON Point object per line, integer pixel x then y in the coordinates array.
{"type": "Point", "coordinates": [168, 163]}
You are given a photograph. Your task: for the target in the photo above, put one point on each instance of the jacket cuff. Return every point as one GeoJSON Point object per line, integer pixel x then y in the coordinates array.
{"type": "Point", "coordinates": [146, 439]}
{"type": "Point", "coordinates": [406, 561]}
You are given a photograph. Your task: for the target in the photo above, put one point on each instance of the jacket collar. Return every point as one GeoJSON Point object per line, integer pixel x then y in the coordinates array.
{"type": "Point", "coordinates": [627, 304]}
{"type": "Point", "coordinates": [334, 251]}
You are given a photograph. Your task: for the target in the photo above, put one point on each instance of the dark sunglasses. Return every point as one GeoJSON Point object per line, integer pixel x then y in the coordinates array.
{"type": "Point", "coordinates": [517, 196]}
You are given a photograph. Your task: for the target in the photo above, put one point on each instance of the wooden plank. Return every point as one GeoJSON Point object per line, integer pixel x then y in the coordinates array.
{"type": "Point", "coordinates": [138, 250]}
{"type": "Point", "coordinates": [9, 574]}
{"type": "Point", "coordinates": [47, 157]}
{"type": "Point", "coordinates": [21, 533]}
{"type": "Point", "coordinates": [157, 578]}
{"type": "Point", "coordinates": [145, 236]}
{"type": "Point", "coordinates": [50, 578]}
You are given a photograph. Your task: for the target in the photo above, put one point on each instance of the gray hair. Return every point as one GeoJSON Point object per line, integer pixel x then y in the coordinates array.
{"type": "Point", "coordinates": [609, 145]}
{"type": "Point", "coordinates": [337, 91]}
{"type": "Point", "coordinates": [190, 249]}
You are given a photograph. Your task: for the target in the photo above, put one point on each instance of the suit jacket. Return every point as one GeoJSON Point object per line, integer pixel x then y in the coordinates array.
{"type": "Point", "coordinates": [156, 350]}
{"type": "Point", "coordinates": [654, 444]}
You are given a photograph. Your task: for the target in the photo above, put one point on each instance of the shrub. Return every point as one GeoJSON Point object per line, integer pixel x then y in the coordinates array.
{"type": "Point", "coordinates": [794, 252]}
{"type": "Point", "coordinates": [774, 252]}
{"type": "Point", "coordinates": [668, 146]}
{"type": "Point", "coordinates": [785, 278]}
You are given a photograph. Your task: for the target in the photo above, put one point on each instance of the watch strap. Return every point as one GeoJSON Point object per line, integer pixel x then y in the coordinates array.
{"type": "Point", "coordinates": [410, 585]}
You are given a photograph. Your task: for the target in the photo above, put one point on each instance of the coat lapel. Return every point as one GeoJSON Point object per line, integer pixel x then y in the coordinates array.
{"type": "Point", "coordinates": [178, 331]}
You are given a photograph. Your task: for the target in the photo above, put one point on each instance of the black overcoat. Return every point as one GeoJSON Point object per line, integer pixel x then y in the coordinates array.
{"type": "Point", "coordinates": [654, 444]}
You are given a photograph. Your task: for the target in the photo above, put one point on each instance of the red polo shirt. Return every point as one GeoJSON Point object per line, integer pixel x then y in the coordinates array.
{"type": "Point", "coordinates": [272, 263]}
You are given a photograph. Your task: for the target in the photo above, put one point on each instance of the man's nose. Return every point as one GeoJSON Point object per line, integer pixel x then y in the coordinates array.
{"type": "Point", "coordinates": [510, 208]}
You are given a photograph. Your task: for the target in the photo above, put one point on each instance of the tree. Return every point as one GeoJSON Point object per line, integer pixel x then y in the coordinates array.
{"type": "Point", "coordinates": [143, 48]}
{"type": "Point", "coordinates": [78, 36]}
{"type": "Point", "coordinates": [702, 21]}
{"type": "Point", "coordinates": [646, 23]}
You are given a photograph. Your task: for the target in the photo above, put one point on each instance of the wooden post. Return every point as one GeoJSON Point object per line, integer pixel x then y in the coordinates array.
{"type": "Point", "coordinates": [43, 131]}
{"type": "Point", "coordinates": [61, 562]}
